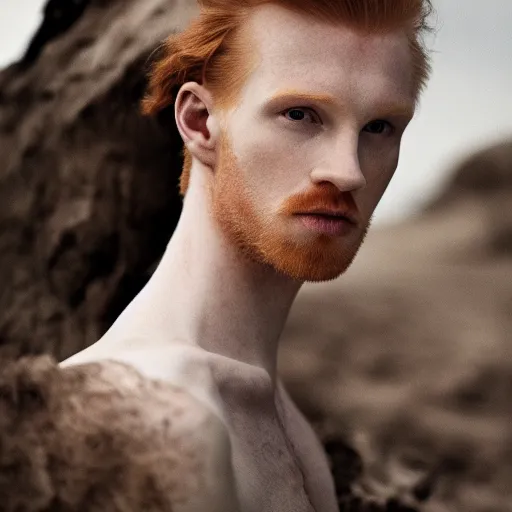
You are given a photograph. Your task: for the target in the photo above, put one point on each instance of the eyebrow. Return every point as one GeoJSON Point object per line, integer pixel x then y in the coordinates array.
{"type": "Point", "coordinates": [293, 94]}
{"type": "Point", "coordinates": [387, 109]}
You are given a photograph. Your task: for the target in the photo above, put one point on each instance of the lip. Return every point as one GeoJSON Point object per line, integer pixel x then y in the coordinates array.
{"type": "Point", "coordinates": [325, 212]}
{"type": "Point", "coordinates": [327, 223]}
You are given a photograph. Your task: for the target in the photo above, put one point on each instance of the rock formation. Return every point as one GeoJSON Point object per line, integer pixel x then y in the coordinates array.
{"type": "Point", "coordinates": [59, 16]}
{"type": "Point", "coordinates": [486, 178]}
{"type": "Point", "coordinates": [88, 187]}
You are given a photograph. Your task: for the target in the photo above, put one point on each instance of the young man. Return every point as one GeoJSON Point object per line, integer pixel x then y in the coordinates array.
{"type": "Point", "coordinates": [292, 113]}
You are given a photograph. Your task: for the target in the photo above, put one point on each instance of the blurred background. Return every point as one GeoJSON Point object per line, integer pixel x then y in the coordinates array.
{"type": "Point", "coordinates": [408, 355]}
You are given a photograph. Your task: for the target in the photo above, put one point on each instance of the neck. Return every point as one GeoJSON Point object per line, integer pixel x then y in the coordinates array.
{"type": "Point", "coordinates": [206, 293]}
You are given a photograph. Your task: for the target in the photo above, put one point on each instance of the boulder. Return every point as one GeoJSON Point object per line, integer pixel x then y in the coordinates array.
{"type": "Point", "coordinates": [88, 186]}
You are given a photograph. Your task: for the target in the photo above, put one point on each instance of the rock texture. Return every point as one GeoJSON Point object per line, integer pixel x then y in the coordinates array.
{"type": "Point", "coordinates": [88, 187]}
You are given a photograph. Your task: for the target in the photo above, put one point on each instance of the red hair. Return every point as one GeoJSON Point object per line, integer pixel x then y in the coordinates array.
{"type": "Point", "coordinates": [213, 46]}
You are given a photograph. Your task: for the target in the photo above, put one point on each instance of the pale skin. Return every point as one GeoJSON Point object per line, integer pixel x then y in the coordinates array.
{"type": "Point", "coordinates": [210, 318]}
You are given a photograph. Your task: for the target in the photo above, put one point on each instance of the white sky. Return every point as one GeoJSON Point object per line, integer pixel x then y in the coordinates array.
{"type": "Point", "coordinates": [467, 105]}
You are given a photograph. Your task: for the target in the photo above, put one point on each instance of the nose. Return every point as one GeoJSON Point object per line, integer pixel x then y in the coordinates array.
{"type": "Point", "coordinates": [341, 167]}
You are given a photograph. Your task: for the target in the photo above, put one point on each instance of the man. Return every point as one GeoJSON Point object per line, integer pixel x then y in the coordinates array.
{"type": "Point", "coordinates": [292, 113]}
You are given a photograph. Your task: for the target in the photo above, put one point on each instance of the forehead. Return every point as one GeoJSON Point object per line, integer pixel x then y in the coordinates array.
{"type": "Point", "coordinates": [297, 52]}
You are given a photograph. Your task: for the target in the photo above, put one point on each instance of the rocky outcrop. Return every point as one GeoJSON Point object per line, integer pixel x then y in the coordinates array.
{"type": "Point", "coordinates": [485, 178]}
{"type": "Point", "coordinates": [482, 174]}
{"type": "Point", "coordinates": [59, 16]}
{"type": "Point", "coordinates": [88, 187]}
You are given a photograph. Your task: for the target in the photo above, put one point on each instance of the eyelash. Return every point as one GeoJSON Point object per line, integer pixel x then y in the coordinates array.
{"type": "Point", "coordinates": [305, 109]}
{"type": "Point", "coordinates": [389, 125]}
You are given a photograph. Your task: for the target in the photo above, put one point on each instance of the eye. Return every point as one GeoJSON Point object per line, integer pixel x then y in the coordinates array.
{"type": "Point", "coordinates": [300, 114]}
{"type": "Point", "coordinates": [378, 127]}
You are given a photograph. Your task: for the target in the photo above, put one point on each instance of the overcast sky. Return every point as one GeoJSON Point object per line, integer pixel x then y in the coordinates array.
{"type": "Point", "coordinates": [468, 103]}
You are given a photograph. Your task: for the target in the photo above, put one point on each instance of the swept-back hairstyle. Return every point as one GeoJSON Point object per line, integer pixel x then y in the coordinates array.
{"type": "Point", "coordinates": [213, 50]}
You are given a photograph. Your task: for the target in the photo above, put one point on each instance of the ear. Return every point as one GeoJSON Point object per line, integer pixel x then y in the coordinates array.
{"type": "Point", "coordinates": [196, 123]}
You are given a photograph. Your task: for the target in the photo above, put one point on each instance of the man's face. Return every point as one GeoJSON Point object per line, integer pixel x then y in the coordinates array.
{"type": "Point", "coordinates": [313, 141]}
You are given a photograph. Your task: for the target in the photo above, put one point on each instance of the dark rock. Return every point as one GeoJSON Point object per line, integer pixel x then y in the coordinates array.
{"type": "Point", "coordinates": [59, 16]}
{"type": "Point", "coordinates": [484, 179]}
{"type": "Point", "coordinates": [486, 172]}
{"type": "Point", "coordinates": [88, 187]}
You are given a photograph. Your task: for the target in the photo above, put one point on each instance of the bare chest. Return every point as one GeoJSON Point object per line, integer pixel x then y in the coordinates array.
{"type": "Point", "coordinates": [278, 462]}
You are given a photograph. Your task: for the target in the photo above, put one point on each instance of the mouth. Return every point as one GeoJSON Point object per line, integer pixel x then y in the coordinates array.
{"type": "Point", "coordinates": [332, 214]}
{"type": "Point", "coordinates": [328, 222]}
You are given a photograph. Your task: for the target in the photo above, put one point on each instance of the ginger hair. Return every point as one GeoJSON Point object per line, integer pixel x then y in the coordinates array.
{"type": "Point", "coordinates": [213, 51]}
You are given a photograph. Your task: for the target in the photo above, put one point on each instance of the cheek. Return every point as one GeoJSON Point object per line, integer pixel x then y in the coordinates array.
{"type": "Point", "coordinates": [378, 168]}
{"type": "Point", "coordinates": [271, 168]}
{"type": "Point", "coordinates": [378, 161]}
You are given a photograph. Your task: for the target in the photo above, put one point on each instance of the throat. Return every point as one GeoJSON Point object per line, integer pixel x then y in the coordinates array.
{"type": "Point", "coordinates": [215, 299]}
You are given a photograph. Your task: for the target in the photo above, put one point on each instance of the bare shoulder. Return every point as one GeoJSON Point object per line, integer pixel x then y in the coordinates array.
{"type": "Point", "coordinates": [182, 365]}
{"type": "Point", "coordinates": [101, 436]}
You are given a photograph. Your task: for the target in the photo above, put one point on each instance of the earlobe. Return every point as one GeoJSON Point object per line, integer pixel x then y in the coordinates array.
{"type": "Point", "coordinates": [195, 122]}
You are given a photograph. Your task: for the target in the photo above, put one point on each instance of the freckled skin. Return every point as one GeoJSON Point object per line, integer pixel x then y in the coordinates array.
{"type": "Point", "coordinates": [327, 148]}
{"type": "Point", "coordinates": [210, 318]}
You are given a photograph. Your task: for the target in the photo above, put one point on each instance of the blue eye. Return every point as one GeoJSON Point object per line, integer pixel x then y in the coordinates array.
{"type": "Point", "coordinates": [299, 114]}
{"type": "Point", "coordinates": [378, 127]}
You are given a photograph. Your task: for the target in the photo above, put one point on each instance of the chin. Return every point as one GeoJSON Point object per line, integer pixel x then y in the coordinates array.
{"type": "Point", "coordinates": [322, 275]}
{"type": "Point", "coordinates": [314, 269]}
{"type": "Point", "coordinates": [290, 251]}
{"type": "Point", "coordinates": [315, 260]}
{"type": "Point", "coordinates": [311, 258]}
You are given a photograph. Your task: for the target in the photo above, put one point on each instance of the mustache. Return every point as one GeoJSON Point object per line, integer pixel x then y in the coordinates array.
{"type": "Point", "coordinates": [322, 200]}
